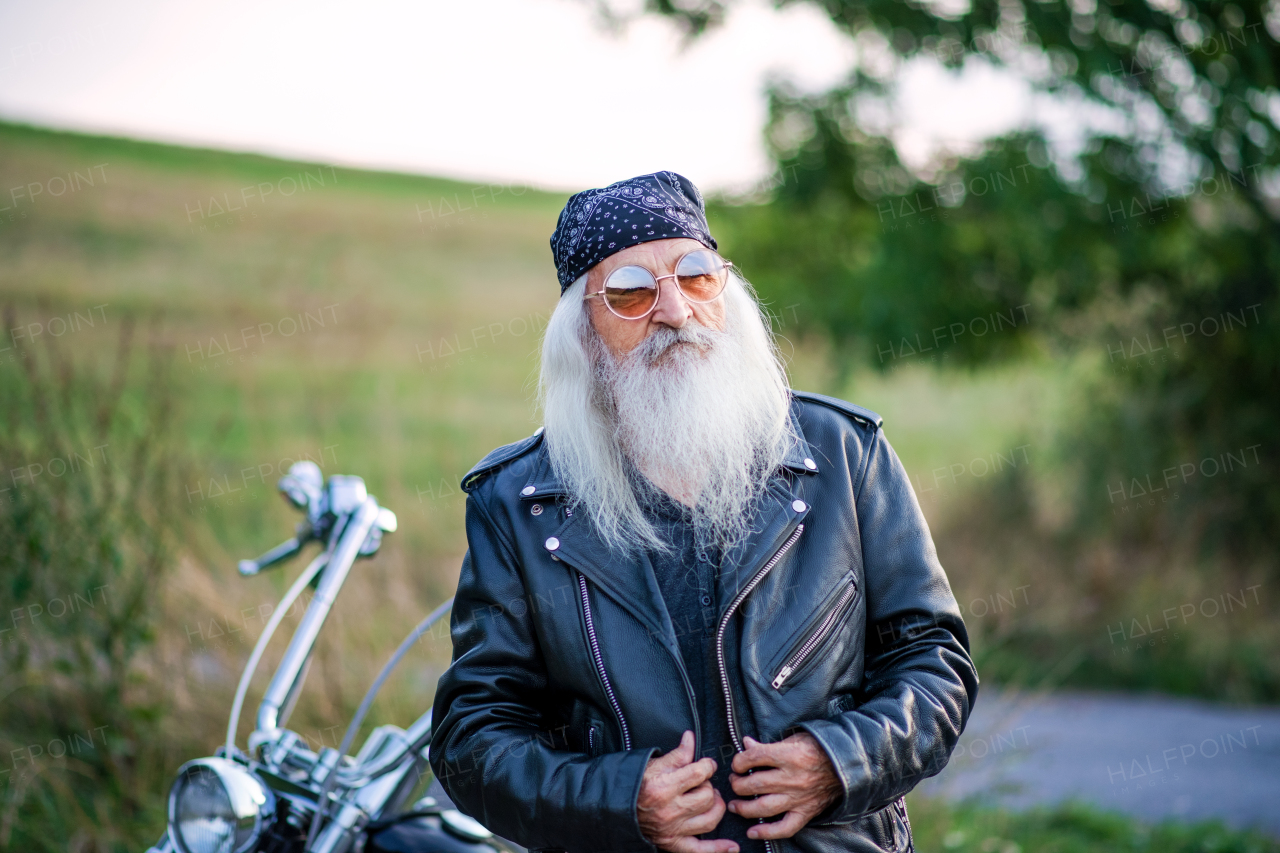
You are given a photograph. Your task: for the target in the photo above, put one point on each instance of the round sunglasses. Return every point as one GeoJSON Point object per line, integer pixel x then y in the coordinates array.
{"type": "Point", "coordinates": [631, 292]}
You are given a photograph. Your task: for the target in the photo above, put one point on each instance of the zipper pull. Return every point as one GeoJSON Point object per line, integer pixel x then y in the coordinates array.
{"type": "Point", "coordinates": [783, 675]}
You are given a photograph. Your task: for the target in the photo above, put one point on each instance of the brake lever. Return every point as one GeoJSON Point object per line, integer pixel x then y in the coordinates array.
{"type": "Point", "coordinates": [285, 550]}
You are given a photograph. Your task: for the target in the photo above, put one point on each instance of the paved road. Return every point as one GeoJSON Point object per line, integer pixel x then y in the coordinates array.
{"type": "Point", "coordinates": [1152, 757]}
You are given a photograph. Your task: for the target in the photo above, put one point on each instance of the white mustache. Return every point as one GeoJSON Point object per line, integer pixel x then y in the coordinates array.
{"type": "Point", "coordinates": [662, 339]}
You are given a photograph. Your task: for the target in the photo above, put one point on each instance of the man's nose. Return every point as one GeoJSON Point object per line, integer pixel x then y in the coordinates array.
{"type": "Point", "coordinates": [672, 308]}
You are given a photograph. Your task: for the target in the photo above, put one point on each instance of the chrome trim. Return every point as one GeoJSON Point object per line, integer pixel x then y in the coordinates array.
{"type": "Point", "coordinates": [599, 660]}
{"type": "Point", "coordinates": [248, 795]}
{"type": "Point", "coordinates": [286, 604]}
{"type": "Point", "coordinates": [164, 845]}
{"type": "Point", "coordinates": [464, 827]}
{"type": "Point", "coordinates": [287, 681]}
{"type": "Point", "coordinates": [340, 834]}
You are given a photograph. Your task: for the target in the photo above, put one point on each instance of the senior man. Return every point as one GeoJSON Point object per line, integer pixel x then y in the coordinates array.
{"type": "Point", "coordinates": [699, 611]}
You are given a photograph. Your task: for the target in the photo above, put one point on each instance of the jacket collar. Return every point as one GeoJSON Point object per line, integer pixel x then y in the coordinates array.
{"type": "Point", "coordinates": [631, 580]}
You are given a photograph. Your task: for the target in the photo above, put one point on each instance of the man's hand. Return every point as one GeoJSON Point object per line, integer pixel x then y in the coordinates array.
{"type": "Point", "coordinates": [800, 784]}
{"type": "Point", "coordinates": [677, 802]}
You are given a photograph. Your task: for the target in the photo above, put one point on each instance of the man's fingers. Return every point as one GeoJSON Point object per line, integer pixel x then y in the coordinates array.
{"type": "Point", "coordinates": [785, 828]}
{"type": "Point", "coordinates": [685, 749]}
{"type": "Point", "coordinates": [670, 796]}
{"type": "Point", "coordinates": [663, 808]}
{"type": "Point", "coordinates": [707, 818]}
{"type": "Point", "coordinates": [761, 782]}
{"type": "Point", "coordinates": [766, 806]}
{"type": "Point", "coordinates": [699, 800]}
{"type": "Point", "coordinates": [678, 757]}
{"type": "Point", "coordinates": [689, 776]}
{"type": "Point", "coordinates": [758, 755]}
{"type": "Point", "coordinates": [689, 844]}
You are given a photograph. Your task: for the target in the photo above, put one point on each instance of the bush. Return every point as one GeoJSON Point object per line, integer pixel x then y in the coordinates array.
{"type": "Point", "coordinates": [89, 516]}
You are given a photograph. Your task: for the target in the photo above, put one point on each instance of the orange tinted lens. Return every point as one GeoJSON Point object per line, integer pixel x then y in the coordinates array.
{"type": "Point", "coordinates": [702, 275]}
{"type": "Point", "coordinates": [630, 291]}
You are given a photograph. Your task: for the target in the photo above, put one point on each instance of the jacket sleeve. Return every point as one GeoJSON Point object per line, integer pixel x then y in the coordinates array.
{"type": "Point", "coordinates": [919, 681]}
{"type": "Point", "coordinates": [501, 757]}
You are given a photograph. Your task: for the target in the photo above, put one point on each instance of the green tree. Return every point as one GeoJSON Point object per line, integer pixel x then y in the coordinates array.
{"type": "Point", "coordinates": [1156, 241]}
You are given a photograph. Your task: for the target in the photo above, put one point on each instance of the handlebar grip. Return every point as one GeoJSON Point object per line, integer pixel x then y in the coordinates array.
{"type": "Point", "coordinates": [278, 554]}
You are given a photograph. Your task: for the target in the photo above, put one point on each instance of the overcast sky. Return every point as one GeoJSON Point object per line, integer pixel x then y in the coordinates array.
{"type": "Point", "coordinates": [529, 91]}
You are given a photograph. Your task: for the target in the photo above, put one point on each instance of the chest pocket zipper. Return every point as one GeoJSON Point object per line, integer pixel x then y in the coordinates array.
{"type": "Point", "coordinates": [815, 638]}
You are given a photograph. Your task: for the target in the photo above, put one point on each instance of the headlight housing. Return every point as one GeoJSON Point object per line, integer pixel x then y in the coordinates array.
{"type": "Point", "coordinates": [217, 806]}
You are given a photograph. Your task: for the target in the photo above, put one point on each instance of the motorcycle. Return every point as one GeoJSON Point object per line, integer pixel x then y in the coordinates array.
{"type": "Point", "coordinates": [280, 797]}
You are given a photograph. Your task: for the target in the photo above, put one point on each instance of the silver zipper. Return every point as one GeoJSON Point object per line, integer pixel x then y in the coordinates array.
{"type": "Point", "coordinates": [591, 740]}
{"type": "Point", "coordinates": [901, 805]}
{"type": "Point", "coordinates": [815, 639]}
{"type": "Point", "coordinates": [724, 623]}
{"type": "Point", "coordinates": [599, 659]}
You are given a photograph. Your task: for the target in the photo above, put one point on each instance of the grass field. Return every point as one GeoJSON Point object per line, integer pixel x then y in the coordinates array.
{"type": "Point", "coordinates": [388, 326]}
{"type": "Point", "coordinates": [367, 321]}
{"type": "Point", "coordinates": [361, 315]}
{"type": "Point", "coordinates": [1071, 828]}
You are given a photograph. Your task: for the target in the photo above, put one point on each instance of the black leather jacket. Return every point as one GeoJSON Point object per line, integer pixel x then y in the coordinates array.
{"type": "Point", "coordinates": [567, 675]}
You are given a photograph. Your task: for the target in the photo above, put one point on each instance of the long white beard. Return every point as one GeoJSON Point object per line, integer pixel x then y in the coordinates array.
{"type": "Point", "coordinates": [703, 414]}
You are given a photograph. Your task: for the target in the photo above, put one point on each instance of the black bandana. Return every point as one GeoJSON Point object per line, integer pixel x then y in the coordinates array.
{"type": "Point", "coordinates": [597, 223]}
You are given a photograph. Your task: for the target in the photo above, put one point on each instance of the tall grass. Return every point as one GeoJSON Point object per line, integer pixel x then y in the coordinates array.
{"type": "Point", "coordinates": [88, 530]}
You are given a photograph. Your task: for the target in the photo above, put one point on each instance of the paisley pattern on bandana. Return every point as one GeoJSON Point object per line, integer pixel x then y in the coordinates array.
{"type": "Point", "coordinates": [597, 223]}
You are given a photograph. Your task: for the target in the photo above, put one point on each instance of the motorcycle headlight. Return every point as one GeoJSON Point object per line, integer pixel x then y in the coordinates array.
{"type": "Point", "coordinates": [216, 806]}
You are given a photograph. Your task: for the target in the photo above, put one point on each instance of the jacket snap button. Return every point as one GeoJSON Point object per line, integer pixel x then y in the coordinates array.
{"type": "Point", "coordinates": [706, 600]}
{"type": "Point", "coordinates": [536, 509]}
{"type": "Point", "coordinates": [553, 543]}
{"type": "Point", "coordinates": [798, 506]}
{"type": "Point", "coordinates": [528, 490]}
{"type": "Point", "coordinates": [810, 464]}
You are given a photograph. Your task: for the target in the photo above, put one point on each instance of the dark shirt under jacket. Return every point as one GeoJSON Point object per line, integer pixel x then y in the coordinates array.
{"type": "Point", "coordinates": [687, 581]}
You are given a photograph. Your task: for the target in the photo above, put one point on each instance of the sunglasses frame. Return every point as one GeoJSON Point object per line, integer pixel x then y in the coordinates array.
{"type": "Point", "coordinates": [658, 284]}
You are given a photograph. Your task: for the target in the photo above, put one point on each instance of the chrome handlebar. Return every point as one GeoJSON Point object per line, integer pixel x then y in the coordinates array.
{"type": "Point", "coordinates": [323, 505]}
{"type": "Point", "coordinates": [287, 682]}
{"type": "Point", "coordinates": [342, 514]}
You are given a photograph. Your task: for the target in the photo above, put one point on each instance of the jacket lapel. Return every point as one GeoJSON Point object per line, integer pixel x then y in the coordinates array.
{"type": "Point", "coordinates": [773, 519]}
{"type": "Point", "coordinates": [630, 580]}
